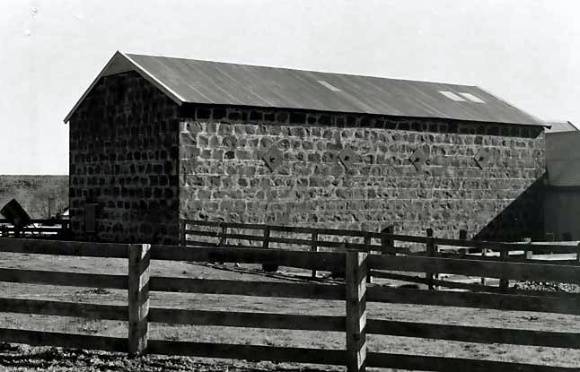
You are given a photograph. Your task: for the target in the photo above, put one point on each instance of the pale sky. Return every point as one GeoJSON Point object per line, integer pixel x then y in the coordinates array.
{"type": "Point", "coordinates": [525, 51]}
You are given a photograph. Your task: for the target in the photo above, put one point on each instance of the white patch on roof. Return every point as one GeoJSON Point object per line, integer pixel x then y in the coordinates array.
{"type": "Point", "coordinates": [472, 97]}
{"type": "Point", "coordinates": [452, 96]}
{"type": "Point", "coordinates": [328, 85]}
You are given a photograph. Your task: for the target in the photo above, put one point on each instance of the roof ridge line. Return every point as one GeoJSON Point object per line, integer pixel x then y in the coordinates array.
{"type": "Point", "coordinates": [306, 70]}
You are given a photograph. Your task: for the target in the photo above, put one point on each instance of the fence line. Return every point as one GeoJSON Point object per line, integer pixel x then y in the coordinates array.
{"type": "Point", "coordinates": [355, 292]}
{"type": "Point", "coordinates": [474, 267]}
{"type": "Point", "coordinates": [65, 248]}
{"type": "Point", "coordinates": [46, 231]}
{"type": "Point", "coordinates": [386, 239]}
{"type": "Point", "coordinates": [459, 285]}
{"type": "Point", "coordinates": [564, 253]}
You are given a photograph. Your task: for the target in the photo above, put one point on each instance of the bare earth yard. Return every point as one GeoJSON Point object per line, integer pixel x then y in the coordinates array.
{"type": "Point", "coordinates": [24, 358]}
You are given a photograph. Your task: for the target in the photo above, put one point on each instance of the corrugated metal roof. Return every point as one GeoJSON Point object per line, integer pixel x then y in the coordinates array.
{"type": "Point", "coordinates": [561, 127]}
{"type": "Point", "coordinates": [194, 81]}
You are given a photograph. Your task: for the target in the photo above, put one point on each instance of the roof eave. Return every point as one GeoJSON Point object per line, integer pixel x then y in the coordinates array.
{"type": "Point", "coordinates": [533, 120]}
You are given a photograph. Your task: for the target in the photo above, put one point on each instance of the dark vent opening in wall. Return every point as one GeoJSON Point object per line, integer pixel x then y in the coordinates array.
{"type": "Point", "coordinates": [91, 218]}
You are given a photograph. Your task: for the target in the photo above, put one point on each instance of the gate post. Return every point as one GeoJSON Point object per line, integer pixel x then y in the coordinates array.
{"type": "Point", "coordinates": [138, 286]}
{"type": "Point", "coordinates": [356, 313]}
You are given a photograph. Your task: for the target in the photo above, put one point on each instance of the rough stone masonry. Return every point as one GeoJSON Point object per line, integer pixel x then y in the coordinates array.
{"type": "Point", "coordinates": [147, 163]}
{"type": "Point", "coordinates": [124, 158]}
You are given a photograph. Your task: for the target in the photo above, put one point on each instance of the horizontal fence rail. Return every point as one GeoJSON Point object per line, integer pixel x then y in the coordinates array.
{"type": "Point", "coordinates": [432, 363]}
{"type": "Point", "coordinates": [69, 279]}
{"type": "Point", "coordinates": [248, 352]}
{"type": "Point", "coordinates": [38, 228]}
{"type": "Point", "coordinates": [248, 320]}
{"type": "Point", "coordinates": [408, 277]}
{"type": "Point", "coordinates": [64, 248]}
{"type": "Point", "coordinates": [247, 288]}
{"type": "Point", "coordinates": [473, 267]}
{"type": "Point", "coordinates": [354, 291]}
{"type": "Point", "coordinates": [474, 334]}
{"type": "Point", "coordinates": [45, 221]}
{"type": "Point", "coordinates": [41, 338]}
{"type": "Point", "coordinates": [304, 260]}
{"type": "Point", "coordinates": [61, 308]}
{"type": "Point", "coordinates": [508, 302]}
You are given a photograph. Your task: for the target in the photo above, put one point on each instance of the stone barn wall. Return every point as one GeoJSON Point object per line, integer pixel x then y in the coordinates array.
{"type": "Point", "coordinates": [358, 172]}
{"type": "Point", "coordinates": [124, 156]}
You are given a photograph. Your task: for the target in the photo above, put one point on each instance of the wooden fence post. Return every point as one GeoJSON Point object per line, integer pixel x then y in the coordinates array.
{"type": "Point", "coordinates": [529, 252]}
{"type": "Point", "coordinates": [483, 254]}
{"type": "Point", "coordinates": [387, 244]}
{"type": "Point", "coordinates": [368, 242]}
{"type": "Point", "coordinates": [139, 256]}
{"type": "Point", "coordinates": [182, 234]}
{"type": "Point", "coordinates": [431, 252]}
{"type": "Point", "coordinates": [222, 235]}
{"type": "Point", "coordinates": [504, 283]}
{"type": "Point", "coordinates": [463, 236]}
{"type": "Point", "coordinates": [266, 241]}
{"type": "Point", "coordinates": [268, 267]}
{"type": "Point", "coordinates": [356, 315]}
{"type": "Point", "coordinates": [314, 248]}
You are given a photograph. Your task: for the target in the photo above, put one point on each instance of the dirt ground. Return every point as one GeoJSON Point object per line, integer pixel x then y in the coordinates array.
{"type": "Point", "coordinates": [24, 358]}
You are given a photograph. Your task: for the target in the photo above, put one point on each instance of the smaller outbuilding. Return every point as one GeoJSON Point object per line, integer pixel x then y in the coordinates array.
{"type": "Point", "coordinates": [562, 196]}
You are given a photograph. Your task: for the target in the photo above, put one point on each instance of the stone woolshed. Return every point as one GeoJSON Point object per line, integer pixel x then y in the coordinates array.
{"type": "Point", "coordinates": [155, 139]}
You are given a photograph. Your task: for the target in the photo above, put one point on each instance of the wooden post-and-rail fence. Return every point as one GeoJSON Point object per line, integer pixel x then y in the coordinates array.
{"type": "Point", "coordinates": [40, 228]}
{"type": "Point", "coordinates": [355, 291]}
{"type": "Point", "coordinates": [226, 234]}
